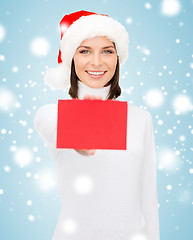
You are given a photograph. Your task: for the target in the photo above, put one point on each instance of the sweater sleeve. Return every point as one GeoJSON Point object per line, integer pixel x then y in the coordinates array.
{"type": "Point", "coordinates": [149, 201]}
{"type": "Point", "coordinates": [45, 123]}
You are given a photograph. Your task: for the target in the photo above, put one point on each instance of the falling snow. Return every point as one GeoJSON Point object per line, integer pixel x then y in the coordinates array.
{"type": "Point", "coordinates": [31, 218]}
{"type": "Point", "coordinates": [2, 58]}
{"type": "Point", "coordinates": [158, 76]}
{"type": "Point", "coordinates": [154, 98]}
{"type": "Point", "coordinates": [170, 7]}
{"type": "Point", "coordinates": [148, 5]}
{"type": "Point", "coordinates": [1, 191]}
{"type": "Point", "coordinates": [169, 187]}
{"type": "Point", "coordinates": [7, 99]}
{"type": "Point", "coordinates": [182, 104]}
{"type": "Point", "coordinates": [2, 33]}
{"type": "Point", "coordinates": [129, 20]}
{"type": "Point", "coordinates": [40, 46]}
{"type": "Point", "coordinates": [69, 226]}
{"type": "Point", "coordinates": [45, 180]}
{"type": "Point", "coordinates": [23, 156]}
{"type": "Point", "coordinates": [15, 69]}
{"type": "Point", "coordinates": [7, 169]}
{"type": "Point", "coordinates": [29, 202]}
{"type": "Point", "coordinates": [83, 184]}
{"type": "Point", "coordinates": [167, 160]}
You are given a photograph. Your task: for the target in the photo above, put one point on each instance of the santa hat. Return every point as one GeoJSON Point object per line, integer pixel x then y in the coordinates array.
{"type": "Point", "coordinates": [75, 28]}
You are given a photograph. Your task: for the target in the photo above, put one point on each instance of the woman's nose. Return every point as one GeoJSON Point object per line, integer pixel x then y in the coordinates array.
{"type": "Point", "coordinates": [96, 59]}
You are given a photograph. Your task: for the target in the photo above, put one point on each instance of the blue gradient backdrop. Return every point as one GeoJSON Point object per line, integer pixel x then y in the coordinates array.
{"type": "Point", "coordinates": [28, 211]}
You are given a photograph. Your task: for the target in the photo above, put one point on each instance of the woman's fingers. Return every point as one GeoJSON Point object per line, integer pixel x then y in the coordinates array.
{"type": "Point", "coordinates": [92, 97]}
{"type": "Point", "coordinates": [86, 152]}
{"type": "Point", "coordinates": [91, 151]}
{"type": "Point", "coordinates": [99, 97]}
{"type": "Point", "coordinates": [86, 96]}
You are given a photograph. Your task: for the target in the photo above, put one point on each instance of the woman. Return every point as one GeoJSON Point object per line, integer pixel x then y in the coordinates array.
{"type": "Point", "coordinates": [105, 194]}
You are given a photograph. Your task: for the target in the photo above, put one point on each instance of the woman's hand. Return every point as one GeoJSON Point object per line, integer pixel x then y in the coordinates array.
{"type": "Point", "coordinates": [88, 152]}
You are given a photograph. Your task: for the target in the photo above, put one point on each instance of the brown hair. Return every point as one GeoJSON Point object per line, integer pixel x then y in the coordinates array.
{"type": "Point", "coordinates": [115, 90]}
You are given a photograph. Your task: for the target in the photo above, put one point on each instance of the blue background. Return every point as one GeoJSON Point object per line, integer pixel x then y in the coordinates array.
{"type": "Point", "coordinates": [23, 21]}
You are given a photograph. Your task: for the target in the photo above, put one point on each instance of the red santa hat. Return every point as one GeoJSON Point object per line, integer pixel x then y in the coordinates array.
{"type": "Point", "coordinates": [75, 28]}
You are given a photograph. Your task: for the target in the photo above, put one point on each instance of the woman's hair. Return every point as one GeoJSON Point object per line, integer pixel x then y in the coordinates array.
{"type": "Point", "coordinates": [115, 90]}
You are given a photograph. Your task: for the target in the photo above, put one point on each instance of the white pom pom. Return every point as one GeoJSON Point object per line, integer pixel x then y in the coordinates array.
{"type": "Point", "coordinates": [58, 78]}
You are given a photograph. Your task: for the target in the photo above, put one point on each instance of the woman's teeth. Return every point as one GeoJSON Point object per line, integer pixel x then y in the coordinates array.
{"type": "Point", "coordinates": [96, 73]}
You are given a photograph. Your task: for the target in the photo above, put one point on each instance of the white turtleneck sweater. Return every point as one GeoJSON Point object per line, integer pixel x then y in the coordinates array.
{"type": "Point", "coordinates": [111, 195]}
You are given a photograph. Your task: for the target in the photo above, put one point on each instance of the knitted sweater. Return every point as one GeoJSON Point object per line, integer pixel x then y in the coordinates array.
{"type": "Point", "coordinates": [111, 195]}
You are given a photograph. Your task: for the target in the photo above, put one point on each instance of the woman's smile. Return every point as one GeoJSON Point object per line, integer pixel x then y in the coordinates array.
{"type": "Point", "coordinates": [96, 74]}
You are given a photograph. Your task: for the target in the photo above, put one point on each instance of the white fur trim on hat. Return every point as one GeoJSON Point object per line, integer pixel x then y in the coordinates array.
{"type": "Point", "coordinates": [57, 77]}
{"type": "Point", "coordinates": [83, 28]}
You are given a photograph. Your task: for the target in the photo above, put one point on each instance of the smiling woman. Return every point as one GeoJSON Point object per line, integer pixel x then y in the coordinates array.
{"type": "Point", "coordinates": [105, 194]}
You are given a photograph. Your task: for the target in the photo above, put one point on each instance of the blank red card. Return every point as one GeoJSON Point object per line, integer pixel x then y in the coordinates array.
{"type": "Point", "coordinates": [92, 124]}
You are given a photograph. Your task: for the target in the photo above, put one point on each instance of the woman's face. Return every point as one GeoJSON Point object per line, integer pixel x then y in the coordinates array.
{"type": "Point", "coordinates": [95, 61]}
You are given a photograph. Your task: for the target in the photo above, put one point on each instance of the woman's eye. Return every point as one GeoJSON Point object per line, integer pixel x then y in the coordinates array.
{"type": "Point", "coordinates": [108, 51]}
{"type": "Point", "coordinates": [84, 51]}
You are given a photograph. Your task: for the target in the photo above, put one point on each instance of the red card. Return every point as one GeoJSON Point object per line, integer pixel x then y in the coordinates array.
{"type": "Point", "coordinates": [92, 124]}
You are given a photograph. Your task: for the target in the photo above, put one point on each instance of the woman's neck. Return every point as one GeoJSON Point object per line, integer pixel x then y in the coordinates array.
{"type": "Point", "coordinates": [84, 89]}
